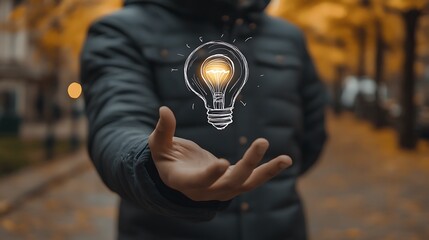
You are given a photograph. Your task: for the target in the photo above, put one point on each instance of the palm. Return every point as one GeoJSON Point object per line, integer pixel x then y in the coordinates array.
{"type": "Point", "coordinates": [190, 169]}
{"type": "Point", "coordinates": [187, 158]}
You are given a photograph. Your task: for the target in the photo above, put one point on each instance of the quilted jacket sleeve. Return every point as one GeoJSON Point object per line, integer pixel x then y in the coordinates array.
{"type": "Point", "coordinates": [315, 99]}
{"type": "Point", "coordinates": [122, 108]}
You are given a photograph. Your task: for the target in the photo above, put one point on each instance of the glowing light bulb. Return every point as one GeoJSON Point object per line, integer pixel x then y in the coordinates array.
{"type": "Point", "coordinates": [216, 72]}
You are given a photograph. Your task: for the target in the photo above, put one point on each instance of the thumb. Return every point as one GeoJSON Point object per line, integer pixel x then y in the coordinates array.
{"type": "Point", "coordinates": [165, 128]}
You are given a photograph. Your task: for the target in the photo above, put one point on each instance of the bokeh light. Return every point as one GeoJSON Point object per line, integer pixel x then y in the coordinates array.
{"type": "Point", "coordinates": [74, 90]}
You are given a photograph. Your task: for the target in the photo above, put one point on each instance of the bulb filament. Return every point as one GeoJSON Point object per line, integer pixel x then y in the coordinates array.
{"type": "Point", "coordinates": [217, 71]}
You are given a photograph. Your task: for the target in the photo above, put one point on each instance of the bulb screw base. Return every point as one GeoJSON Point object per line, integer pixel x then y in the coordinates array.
{"type": "Point", "coordinates": [219, 118]}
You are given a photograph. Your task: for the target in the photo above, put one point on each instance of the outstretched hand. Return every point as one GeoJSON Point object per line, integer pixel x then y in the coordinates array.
{"type": "Point", "coordinates": [190, 169]}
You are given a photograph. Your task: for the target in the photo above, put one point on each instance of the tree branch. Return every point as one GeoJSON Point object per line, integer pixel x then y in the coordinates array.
{"type": "Point", "coordinates": [426, 10]}
{"type": "Point", "coordinates": [389, 9]}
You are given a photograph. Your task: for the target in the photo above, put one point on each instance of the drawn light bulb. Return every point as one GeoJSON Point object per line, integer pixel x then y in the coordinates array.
{"type": "Point", "coordinates": [216, 72]}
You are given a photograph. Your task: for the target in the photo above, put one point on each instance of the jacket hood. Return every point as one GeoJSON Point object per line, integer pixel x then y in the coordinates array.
{"type": "Point", "coordinates": [208, 8]}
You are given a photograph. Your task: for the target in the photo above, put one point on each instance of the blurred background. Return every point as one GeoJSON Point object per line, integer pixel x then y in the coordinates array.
{"type": "Point", "coordinates": [371, 183]}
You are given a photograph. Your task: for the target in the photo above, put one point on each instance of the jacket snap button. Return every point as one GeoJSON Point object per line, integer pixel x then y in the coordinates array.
{"type": "Point", "coordinates": [225, 18]}
{"type": "Point", "coordinates": [164, 53]}
{"type": "Point", "coordinates": [242, 140]}
{"type": "Point", "coordinates": [244, 206]}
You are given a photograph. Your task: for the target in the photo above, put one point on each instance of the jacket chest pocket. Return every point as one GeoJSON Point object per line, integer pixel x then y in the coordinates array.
{"type": "Point", "coordinates": [282, 74]}
{"type": "Point", "coordinates": [167, 66]}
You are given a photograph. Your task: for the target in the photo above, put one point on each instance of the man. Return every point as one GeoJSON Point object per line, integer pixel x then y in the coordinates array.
{"type": "Point", "coordinates": [175, 187]}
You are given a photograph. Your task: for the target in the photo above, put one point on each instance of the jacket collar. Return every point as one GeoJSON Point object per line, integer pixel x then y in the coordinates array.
{"type": "Point", "coordinates": [209, 8]}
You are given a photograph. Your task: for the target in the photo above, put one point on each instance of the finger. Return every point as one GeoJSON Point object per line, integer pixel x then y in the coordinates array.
{"type": "Point", "coordinates": [249, 162]}
{"type": "Point", "coordinates": [165, 128]}
{"type": "Point", "coordinates": [266, 171]}
{"type": "Point", "coordinates": [202, 179]}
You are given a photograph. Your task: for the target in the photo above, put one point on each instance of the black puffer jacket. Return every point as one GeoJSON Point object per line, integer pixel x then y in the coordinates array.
{"type": "Point", "coordinates": [129, 67]}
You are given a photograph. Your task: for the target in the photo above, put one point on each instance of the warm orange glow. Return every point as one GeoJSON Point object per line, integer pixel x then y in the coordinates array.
{"type": "Point", "coordinates": [74, 90]}
{"type": "Point", "coordinates": [218, 70]}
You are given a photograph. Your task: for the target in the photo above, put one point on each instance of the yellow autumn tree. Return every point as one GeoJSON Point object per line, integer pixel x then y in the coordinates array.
{"type": "Point", "coordinates": [326, 22]}
{"type": "Point", "coordinates": [57, 28]}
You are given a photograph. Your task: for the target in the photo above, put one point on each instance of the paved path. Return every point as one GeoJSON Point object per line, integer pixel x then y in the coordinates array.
{"type": "Point", "coordinates": [363, 188]}
{"type": "Point", "coordinates": [79, 209]}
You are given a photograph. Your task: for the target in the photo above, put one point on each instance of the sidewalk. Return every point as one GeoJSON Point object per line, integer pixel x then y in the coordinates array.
{"type": "Point", "coordinates": [363, 188]}
{"type": "Point", "coordinates": [366, 188]}
{"type": "Point", "coordinates": [66, 200]}
{"type": "Point", "coordinates": [22, 185]}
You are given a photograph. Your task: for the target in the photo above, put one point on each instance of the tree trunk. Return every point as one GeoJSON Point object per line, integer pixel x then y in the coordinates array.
{"type": "Point", "coordinates": [407, 119]}
{"type": "Point", "coordinates": [361, 70]}
{"type": "Point", "coordinates": [337, 89]}
{"type": "Point", "coordinates": [361, 35]}
{"type": "Point", "coordinates": [378, 116]}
